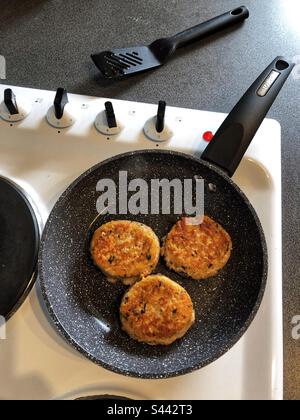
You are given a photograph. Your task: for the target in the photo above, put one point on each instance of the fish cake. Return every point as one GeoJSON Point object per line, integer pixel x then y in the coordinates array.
{"type": "Point", "coordinates": [125, 250]}
{"type": "Point", "coordinates": [157, 311]}
{"type": "Point", "coordinates": [197, 251]}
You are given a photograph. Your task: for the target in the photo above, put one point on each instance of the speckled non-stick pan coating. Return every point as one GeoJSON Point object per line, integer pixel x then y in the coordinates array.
{"type": "Point", "coordinates": [84, 305]}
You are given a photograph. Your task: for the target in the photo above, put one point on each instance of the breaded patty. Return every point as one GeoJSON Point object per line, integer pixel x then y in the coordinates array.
{"type": "Point", "coordinates": [125, 250]}
{"type": "Point", "coordinates": [157, 311]}
{"type": "Point", "coordinates": [197, 251]}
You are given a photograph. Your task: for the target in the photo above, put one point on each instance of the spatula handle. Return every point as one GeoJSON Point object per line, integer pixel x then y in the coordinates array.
{"type": "Point", "coordinates": [233, 138]}
{"type": "Point", "coordinates": [211, 27]}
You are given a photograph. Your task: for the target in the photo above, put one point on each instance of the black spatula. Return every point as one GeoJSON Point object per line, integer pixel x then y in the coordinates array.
{"type": "Point", "coordinates": [120, 63]}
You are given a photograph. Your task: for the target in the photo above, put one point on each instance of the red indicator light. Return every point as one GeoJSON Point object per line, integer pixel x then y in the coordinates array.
{"type": "Point", "coordinates": [208, 136]}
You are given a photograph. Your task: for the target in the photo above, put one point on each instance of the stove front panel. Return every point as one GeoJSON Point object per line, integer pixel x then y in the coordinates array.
{"type": "Point", "coordinates": [35, 361]}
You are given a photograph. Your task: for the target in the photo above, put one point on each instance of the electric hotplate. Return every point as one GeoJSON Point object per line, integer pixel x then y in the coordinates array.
{"type": "Point", "coordinates": [35, 361]}
{"type": "Point", "coordinates": [19, 243]}
{"type": "Point", "coordinates": [104, 397]}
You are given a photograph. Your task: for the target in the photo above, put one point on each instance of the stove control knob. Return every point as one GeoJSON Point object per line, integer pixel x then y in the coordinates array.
{"type": "Point", "coordinates": [106, 122]}
{"type": "Point", "coordinates": [14, 109]}
{"type": "Point", "coordinates": [61, 114]}
{"type": "Point", "coordinates": [156, 129]}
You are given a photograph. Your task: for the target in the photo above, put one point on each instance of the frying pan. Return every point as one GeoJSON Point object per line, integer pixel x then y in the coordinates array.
{"type": "Point", "coordinates": [84, 305]}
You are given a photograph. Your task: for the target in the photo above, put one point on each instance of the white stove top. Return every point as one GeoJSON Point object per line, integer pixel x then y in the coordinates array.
{"type": "Point", "coordinates": [35, 361]}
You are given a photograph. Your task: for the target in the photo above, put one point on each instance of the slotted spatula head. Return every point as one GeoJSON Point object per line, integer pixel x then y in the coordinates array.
{"type": "Point", "coordinates": [119, 63]}
{"type": "Point", "coordinates": [125, 62]}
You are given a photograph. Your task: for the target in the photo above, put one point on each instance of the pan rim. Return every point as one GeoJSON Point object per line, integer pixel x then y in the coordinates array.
{"type": "Point", "coordinates": [183, 371]}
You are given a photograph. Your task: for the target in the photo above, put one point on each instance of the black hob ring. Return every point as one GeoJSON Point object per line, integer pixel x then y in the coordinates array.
{"type": "Point", "coordinates": [19, 246]}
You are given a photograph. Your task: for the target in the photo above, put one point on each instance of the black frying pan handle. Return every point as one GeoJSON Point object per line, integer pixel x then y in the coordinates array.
{"type": "Point", "coordinates": [211, 27]}
{"type": "Point", "coordinates": [233, 138]}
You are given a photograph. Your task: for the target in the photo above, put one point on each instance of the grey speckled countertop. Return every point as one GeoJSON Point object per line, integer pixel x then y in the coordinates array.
{"type": "Point", "coordinates": [47, 43]}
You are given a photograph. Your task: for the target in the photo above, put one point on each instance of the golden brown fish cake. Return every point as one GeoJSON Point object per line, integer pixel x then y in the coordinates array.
{"type": "Point", "coordinates": [157, 311]}
{"type": "Point", "coordinates": [125, 250]}
{"type": "Point", "coordinates": [197, 251]}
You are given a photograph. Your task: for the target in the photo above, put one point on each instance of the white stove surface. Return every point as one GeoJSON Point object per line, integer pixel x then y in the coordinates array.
{"type": "Point", "coordinates": [35, 361]}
